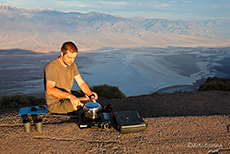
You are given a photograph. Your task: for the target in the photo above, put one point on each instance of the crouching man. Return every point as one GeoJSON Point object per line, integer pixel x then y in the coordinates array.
{"type": "Point", "coordinates": [58, 81]}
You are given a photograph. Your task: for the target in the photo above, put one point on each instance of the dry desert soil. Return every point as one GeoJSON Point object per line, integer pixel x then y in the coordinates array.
{"type": "Point", "coordinates": [185, 122]}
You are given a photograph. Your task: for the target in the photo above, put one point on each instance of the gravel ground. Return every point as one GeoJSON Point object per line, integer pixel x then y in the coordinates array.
{"type": "Point", "coordinates": [187, 122]}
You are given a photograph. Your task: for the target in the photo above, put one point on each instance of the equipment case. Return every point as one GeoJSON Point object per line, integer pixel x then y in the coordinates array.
{"type": "Point", "coordinates": [129, 122]}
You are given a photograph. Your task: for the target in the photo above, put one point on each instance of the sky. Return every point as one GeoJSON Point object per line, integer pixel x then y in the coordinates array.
{"type": "Point", "coordinates": [165, 9]}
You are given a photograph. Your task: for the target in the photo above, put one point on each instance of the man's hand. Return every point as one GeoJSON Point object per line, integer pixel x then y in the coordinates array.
{"type": "Point", "coordinates": [93, 97]}
{"type": "Point", "coordinates": [75, 102]}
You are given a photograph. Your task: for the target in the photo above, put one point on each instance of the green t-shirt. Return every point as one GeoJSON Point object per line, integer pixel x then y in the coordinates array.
{"type": "Point", "coordinates": [62, 76]}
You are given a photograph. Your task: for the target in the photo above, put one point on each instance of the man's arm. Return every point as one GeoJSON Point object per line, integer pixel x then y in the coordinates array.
{"type": "Point", "coordinates": [84, 87]}
{"type": "Point", "coordinates": [55, 92]}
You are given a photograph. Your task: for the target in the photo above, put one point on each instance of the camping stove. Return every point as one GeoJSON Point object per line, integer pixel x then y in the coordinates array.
{"type": "Point", "coordinates": [103, 121]}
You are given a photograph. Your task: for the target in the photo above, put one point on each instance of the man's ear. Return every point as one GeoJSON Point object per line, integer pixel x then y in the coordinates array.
{"type": "Point", "coordinates": [62, 54]}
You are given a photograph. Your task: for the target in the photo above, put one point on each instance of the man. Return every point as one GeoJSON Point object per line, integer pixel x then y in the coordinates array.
{"type": "Point", "coordinates": [58, 81]}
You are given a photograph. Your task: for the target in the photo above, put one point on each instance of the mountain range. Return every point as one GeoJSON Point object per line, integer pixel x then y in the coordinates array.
{"type": "Point", "coordinates": [44, 30]}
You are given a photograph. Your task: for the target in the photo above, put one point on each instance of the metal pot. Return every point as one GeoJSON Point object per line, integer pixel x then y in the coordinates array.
{"type": "Point", "coordinates": [92, 110]}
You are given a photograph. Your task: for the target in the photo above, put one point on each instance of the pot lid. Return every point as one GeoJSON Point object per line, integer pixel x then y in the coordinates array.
{"type": "Point", "coordinates": [92, 105]}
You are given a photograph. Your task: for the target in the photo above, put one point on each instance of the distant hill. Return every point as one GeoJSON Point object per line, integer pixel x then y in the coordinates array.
{"type": "Point", "coordinates": [44, 30]}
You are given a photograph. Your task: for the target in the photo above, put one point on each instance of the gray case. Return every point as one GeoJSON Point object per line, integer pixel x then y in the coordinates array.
{"type": "Point", "coordinates": [129, 122]}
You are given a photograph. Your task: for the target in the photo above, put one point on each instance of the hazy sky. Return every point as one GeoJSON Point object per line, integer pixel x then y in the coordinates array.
{"type": "Point", "coordinates": [166, 9]}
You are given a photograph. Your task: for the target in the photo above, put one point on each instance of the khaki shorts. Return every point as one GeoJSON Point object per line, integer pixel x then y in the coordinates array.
{"type": "Point", "coordinates": [63, 106]}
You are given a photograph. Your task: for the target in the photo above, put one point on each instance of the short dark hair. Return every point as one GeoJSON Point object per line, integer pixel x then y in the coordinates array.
{"type": "Point", "coordinates": [69, 46]}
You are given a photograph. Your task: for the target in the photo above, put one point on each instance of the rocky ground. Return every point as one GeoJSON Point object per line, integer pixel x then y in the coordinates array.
{"type": "Point", "coordinates": [186, 122]}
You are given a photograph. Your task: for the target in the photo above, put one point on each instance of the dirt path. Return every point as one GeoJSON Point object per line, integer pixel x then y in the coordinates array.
{"type": "Point", "coordinates": [189, 122]}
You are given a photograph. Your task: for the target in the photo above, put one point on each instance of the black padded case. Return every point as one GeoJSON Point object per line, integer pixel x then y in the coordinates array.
{"type": "Point", "coordinates": [129, 122]}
